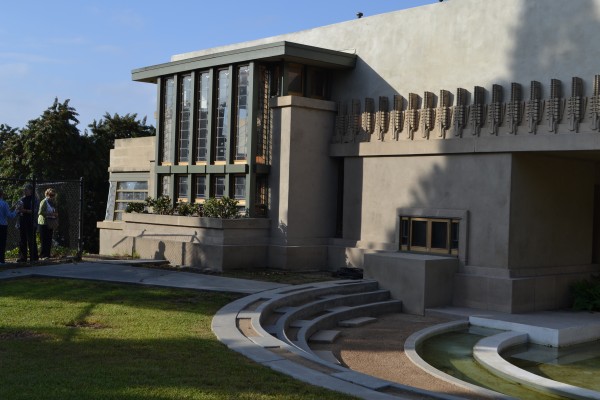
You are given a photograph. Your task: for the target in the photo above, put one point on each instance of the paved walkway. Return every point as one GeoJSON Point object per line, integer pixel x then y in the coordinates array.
{"type": "Point", "coordinates": [120, 272]}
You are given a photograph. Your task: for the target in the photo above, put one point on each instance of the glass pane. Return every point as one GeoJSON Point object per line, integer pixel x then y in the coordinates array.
{"type": "Point", "coordinates": [439, 235]}
{"type": "Point", "coordinates": [294, 78]}
{"type": "Point", "coordinates": [219, 184]}
{"type": "Point", "coordinates": [203, 107]}
{"type": "Point", "coordinates": [241, 134]}
{"type": "Point", "coordinates": [404, 231]}
{"type": "Point", "coordinates": [167, 117]}
{"type": "Point", "coordinates": [201, 186]}
{"type": "Point", "coordinates": [166, 185]}
{"type": "Point", "coordinates": [222, 125]}
{"type": "Point", "coordinates": [239, 188]}
{"type": "Point", "coordinates": [182, 186]}
{"type": "Point", "coordinates": [419, 234]}
{"type": "Point", "coordinates": [184, 117]}
{"type": "Point", "coordinates": [454, 236]}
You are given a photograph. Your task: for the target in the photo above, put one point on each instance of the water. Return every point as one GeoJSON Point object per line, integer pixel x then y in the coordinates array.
{"type": "Point", "coordinates": [452, 353]}
{"type": "Point", "coordinates": [575, 365]}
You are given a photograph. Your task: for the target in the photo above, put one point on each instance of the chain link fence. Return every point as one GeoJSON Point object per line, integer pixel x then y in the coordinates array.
{"type": "Point", "coordinates": [66, 240]}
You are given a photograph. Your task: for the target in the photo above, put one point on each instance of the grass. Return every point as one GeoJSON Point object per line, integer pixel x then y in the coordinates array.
{"type": "Point", "coordinates": [68, 339]}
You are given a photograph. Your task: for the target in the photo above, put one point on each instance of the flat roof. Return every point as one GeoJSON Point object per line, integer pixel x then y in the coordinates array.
{"type": "Point", "coordinates": [278, 51]}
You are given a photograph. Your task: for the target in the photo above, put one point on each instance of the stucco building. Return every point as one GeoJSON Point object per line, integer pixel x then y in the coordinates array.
{"type": "Point", "coordinates": [450, 150]}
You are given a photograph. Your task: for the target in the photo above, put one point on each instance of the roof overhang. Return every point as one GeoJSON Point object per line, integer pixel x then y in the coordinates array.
{"type": "Point", "coordinates": [278, 51]}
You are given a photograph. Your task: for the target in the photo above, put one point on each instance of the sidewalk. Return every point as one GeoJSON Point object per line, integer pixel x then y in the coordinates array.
{"type": "Point", "coordinates": [122, 273]}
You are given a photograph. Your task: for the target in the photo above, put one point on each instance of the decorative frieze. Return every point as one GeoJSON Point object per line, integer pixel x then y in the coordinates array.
{"type": "Point", "coordinates": [514, 108]}
{"type": "Point", "coordinates": [534, 107]}
{"type": "Point", "coordinates": [575, 104]}
{"type": "Point", "coordinates": [427, 114]}
{"type": "Point", "coordinates": [595, 105]}
{"type": "Point", "coordinates": [478, 110]}
{"type": "Point", "coordinates": [411, 115]}
{"type": "Point", "coordinates": [460, 112]}
{"type": "Point", "coordinates": [496, 110]}
{"type": "Point", "coordinates": [450, 117]}
{"type": "Point", "coordinates": [555, 106]}
{"type": "Point", "coordinates": [382, 119]}
{"type": "Point", "coordinates": [397, 116]}
{"type": "Point", "coordinates": [444, 113]}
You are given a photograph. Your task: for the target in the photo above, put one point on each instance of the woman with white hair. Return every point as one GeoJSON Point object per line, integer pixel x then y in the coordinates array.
{"type": "Point", "coordinates": [5, 214]}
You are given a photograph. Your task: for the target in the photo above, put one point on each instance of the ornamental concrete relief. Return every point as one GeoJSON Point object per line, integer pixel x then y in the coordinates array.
{"type": "Point", "coordinates": [450, 115]}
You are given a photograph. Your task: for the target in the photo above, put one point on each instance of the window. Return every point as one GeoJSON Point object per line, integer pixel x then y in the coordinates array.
{"type": "Point", "coordinates": [222, 123]}
{"type": "Point", "coordinates": [262, 195]}
{"type": "Point", "coordinates": [241, 125]}
{"type": "Point", "coordinates": [263, 121]}
{"type": "Point", "coordinates": [218, 186]}
{"type": "Point", "coordinates": [203, 107]}
{"type": "Point", "coordinates": [239, 188]}
{"type": "Point", "coordinates": [200, 186]}
{"type": "Point", "coordinates": [167, 119]}
{"type": "Point", "coordinates": [165, 186]}
{"type": "Point", "coordinates": [317, 83]}
{"type": "Point", "coordinates": [295, 79]}
{"type": "Point", "coordinates": [129, 192]}
{"type": "Point", "coordinates": [429, 235]}
{"type": "Point", "coordinates": [182, 188]}
{"type": "Point", "coordinates": [185, 112]}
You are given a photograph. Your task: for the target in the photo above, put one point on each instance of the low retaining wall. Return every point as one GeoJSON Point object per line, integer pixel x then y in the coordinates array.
{"type": "Point", "coordinates": [218, 244]}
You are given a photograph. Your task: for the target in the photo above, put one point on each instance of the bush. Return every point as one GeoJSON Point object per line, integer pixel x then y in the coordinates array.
{"type": "Point", "coordinates": [187, 209]}
{"type": "Point", "coordinates": [586, 295]}
{"type": "Point", "coordinates": [135, 207]}
{"type": "Point", "coordinates": [162, 205]}
{"type": "Point", "coordinates": [221, 208]}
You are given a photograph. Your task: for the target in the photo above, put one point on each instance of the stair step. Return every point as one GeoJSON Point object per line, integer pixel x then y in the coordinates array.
{"type": "Point", "coordinates": [356, 322]}
{"type": "Point", "coordinates": [299, 323]}
{"type": "Point", "coordinates": [324, 336]}
{"type": "Point", "coordinates": [284, 310]}
{"type": "Point", "coordinates": [339, 308]}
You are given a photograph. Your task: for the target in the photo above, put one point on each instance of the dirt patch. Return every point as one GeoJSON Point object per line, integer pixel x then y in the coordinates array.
{"type": "Point", "coordinates": [23, 335]}
{"type": "Point", "coordinates": [86, 324]}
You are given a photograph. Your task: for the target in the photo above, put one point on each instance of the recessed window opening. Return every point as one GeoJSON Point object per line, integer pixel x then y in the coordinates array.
{"type": "Point", "coordinates": [429, 235]}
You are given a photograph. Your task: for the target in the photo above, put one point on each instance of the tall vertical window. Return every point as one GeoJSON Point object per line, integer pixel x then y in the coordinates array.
{"type": "Point", "coordinates": [167, 118]}
{"type": "Point", "coordinates": [263, 122]}
{"type": "Point", "coordinates": [182, 188]}
{"type": "Point", "coordinates": [222, 116]}
{"type": "Point", "coordinates": [239, 187]}
{"type": "Point", "coordinates": [218, 186]}
{"type": "Point", "coordinates": [262, 195]}
{"type": "Point", "coordinates": [242, 117]}
{"type": "Point", "coordinates": [185, 112]}
{"type": "Point", "coordinates": [129, 192]}
{"type": "Point", "coordinates": [203, 107]}
{"type": "Point", "coordinates": [200, 184]}
{"type": "Point", "coordinates": [165, 186]}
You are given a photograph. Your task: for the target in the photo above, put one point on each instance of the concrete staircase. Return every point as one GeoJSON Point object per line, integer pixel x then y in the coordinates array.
{"type": "Point", "coordinates": [276, 328]}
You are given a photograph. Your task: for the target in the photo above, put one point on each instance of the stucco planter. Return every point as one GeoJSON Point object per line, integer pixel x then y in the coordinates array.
{"type": "Point", "coordinates": [201, 242]}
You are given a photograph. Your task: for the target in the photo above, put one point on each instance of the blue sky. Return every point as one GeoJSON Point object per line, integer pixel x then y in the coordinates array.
{"type": "Point", "coordinates": [85, 50]}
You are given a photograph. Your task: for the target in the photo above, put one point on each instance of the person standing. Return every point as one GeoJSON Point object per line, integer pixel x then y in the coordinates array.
{"type": "Point", "coordinates": [27, 225]}
{"type": "Point", "coordinates": [47, 215]}
{"type": "Point", "coordinates": [5, 214]}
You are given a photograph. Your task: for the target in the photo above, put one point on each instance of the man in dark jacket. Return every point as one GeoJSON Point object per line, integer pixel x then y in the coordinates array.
{"type": "Point", "coordinates": [28, 224]}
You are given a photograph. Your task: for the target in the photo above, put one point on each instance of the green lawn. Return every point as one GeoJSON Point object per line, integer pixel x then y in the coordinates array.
{"type": "Point", "coordinates": [67, 339]}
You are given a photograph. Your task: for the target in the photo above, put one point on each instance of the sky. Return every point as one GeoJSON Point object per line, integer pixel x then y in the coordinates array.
{"type": "Point", "coordinates": [85, 50]}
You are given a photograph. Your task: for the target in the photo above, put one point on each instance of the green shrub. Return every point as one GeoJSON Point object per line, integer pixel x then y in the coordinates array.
{"type": "Point", "coordinates": [135, 207]}
{"type": "Point", "coordinates": [224, 207]}
{"type": "Point", "coordinates": [162, 205]}
{"type": "Point", "coordinates": [586, 295]}
{"type": "Point", "coordinates": [187, 209]}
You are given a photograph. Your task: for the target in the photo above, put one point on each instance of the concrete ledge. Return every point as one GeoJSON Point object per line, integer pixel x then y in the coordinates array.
{"type": "Point", "coordinates": [487, 353]}
{"type": "Point", "coordinates": [420, 281]}
{"type": "Point", "coordinates": [410, 349]}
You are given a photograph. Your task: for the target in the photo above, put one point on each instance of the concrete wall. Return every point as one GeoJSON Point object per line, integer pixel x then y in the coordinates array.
{"type": "Point", "coordinates": [459, 44]}
{"type": "Point", "coordinates": [133, 155]}
{"type": "Point", "coordinates": [303, 181]}
{"type": "Point", "coordinates": [377, 187]}
{"type": "Point", "coordinates": [552, 209]}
